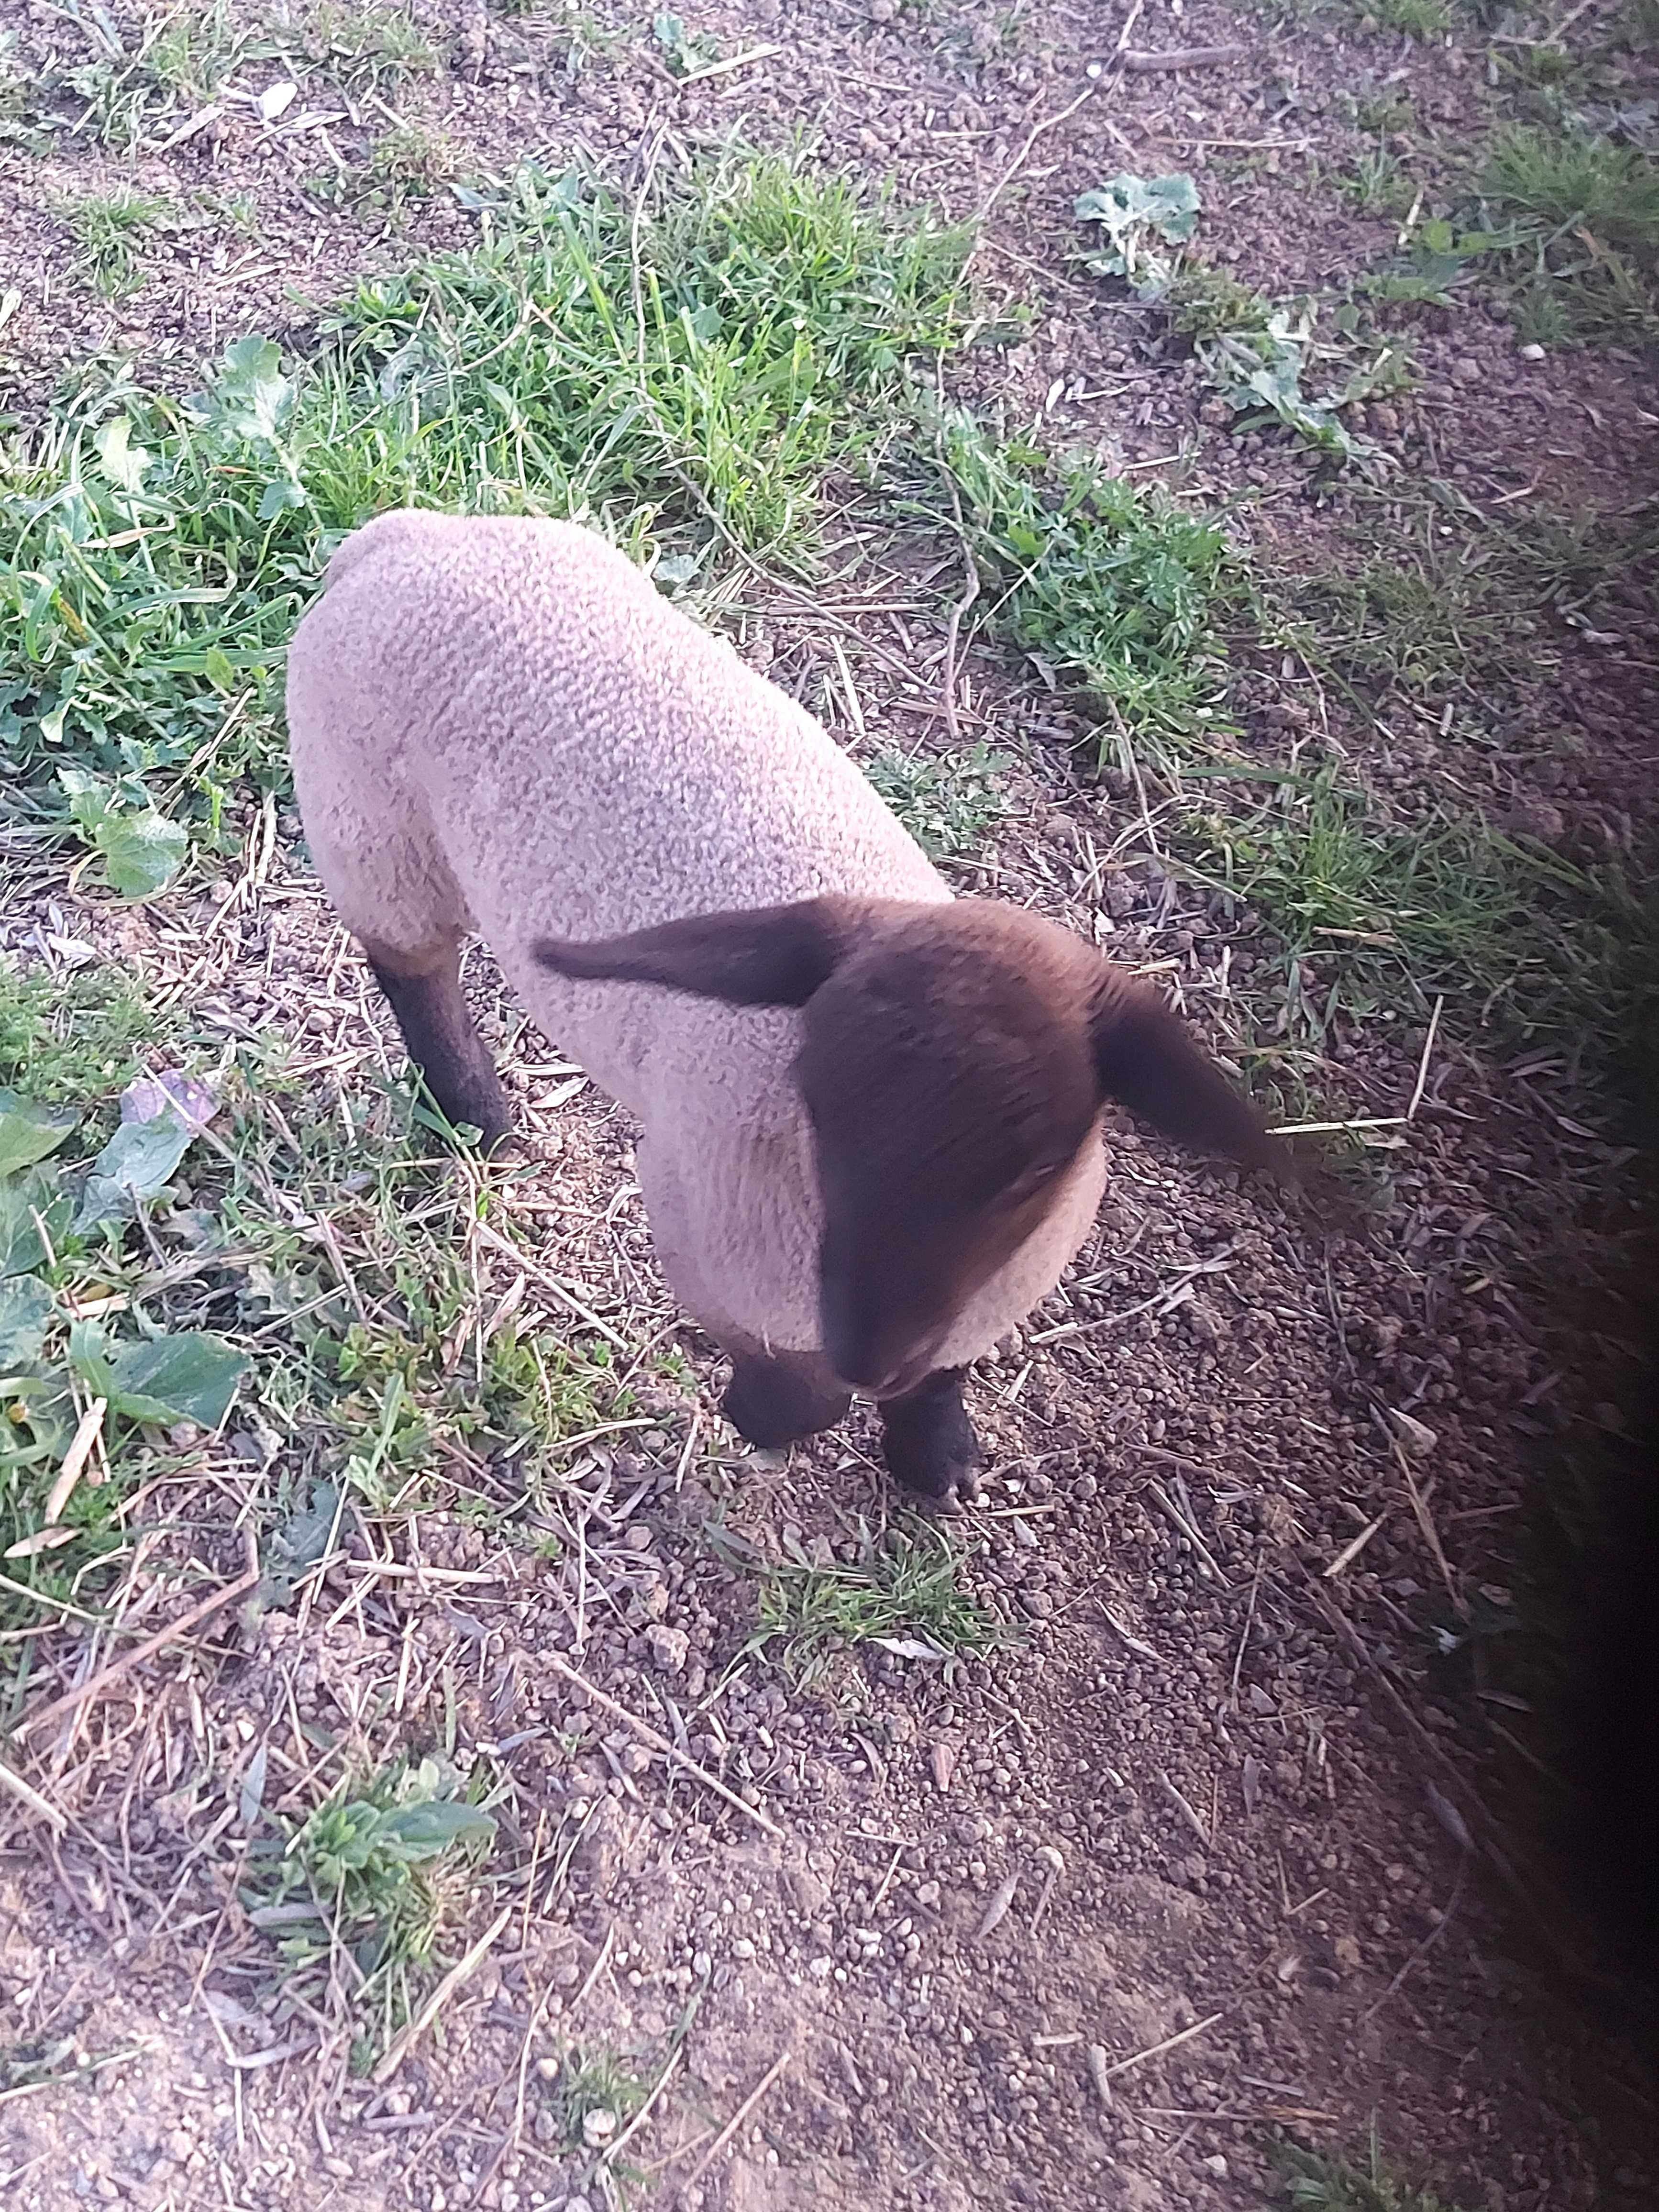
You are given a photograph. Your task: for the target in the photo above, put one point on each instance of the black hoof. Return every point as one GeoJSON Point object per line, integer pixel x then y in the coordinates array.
{"type": "Point", "coordinates": [929, 1442]}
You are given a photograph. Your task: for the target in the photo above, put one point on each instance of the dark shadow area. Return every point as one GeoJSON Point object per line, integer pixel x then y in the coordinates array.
{"type": "Point", "coordinates": [1605, 1829]}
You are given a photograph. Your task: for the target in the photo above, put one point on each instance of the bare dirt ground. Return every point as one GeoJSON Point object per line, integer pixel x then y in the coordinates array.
{"type": "Point", "coordinates": [1226, 1844]}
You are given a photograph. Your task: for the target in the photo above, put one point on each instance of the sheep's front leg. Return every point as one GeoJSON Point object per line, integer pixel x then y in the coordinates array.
{"type": "Point", "coordinates": [929, 1441]}
{"type": "Point", "coordinates": [441, 1040]}
{"type": "Point", "coordinates": [776, 1398]}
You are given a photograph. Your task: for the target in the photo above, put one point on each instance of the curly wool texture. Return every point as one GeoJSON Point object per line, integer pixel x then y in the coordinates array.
{"type": "Point", "coordinates": [501, 726]}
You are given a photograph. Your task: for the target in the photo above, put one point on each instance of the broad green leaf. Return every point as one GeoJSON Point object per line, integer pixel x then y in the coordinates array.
{"type": "Point", "coordinates": [192, 1376]}
{"type": "Point", "coordinates": [25, 1314]}
{"type": "Point", "coordinates": [30, 1131]}
{"type": "Point", "coordinates": [281, 497]}
{"type": "Point", "coordinates": [422, 1832]}
{"type": "Point", "coordinates": [141, 851]}
{"type": "Point", "coordinates": [303, 1538]}
{"type": "Point", "coordinates": [23, 1198]}
{"type": "Point", "coordinates": [677, 568]}
{"type": "Point", "coordinates": [137, 1162]}
{"type": "Point", "coordinates": [121, 461]}
{"type": "Point", "coordinates": [52, 718]}
{"type": "Point", "coordinates": [102, 1201]}
{"type": "Point", "coordinates": [88, 795]}
{"type": "Point", "coordinates": [1132, 207]}
{"type": "Point", "coordinates": [88, 1354]}
{"type": "Point", "coordinates": [249, 397]}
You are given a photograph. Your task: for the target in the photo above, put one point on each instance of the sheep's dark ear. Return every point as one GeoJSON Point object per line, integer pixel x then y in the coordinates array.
{"type": "Point", "coordinates": [1146, 1061]}
{"type": "Point", "coordinates": [774, 956]}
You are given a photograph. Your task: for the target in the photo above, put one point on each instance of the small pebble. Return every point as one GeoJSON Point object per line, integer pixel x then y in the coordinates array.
{"type": "Point", "coordinates": [668, 1648]}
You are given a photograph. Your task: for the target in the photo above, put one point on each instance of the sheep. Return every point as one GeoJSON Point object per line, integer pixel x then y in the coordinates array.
{"type": "Point", "coordinates": [872, 1111]}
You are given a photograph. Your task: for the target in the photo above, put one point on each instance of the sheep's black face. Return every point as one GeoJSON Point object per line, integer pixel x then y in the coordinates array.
{"type": "Point", "coordinates": [891, 1281]}
{"type": "Point", "coordinates": [951, 1087]}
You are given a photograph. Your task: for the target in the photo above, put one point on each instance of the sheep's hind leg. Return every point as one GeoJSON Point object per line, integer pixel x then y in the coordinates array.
{"type": "Point", "coordinates": [928, 1440]}
{"type": "Point", "coordinates": [443, 1042]}
{"type": "Point", "coordinates": [777, 1398]}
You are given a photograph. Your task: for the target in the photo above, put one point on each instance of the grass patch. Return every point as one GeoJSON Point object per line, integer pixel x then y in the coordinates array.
{"type": "Point", "coordinates": [411, 162]}
{"type": "Point", "coordinates": [1377, 184]}
{"type": "Point", "coordinates": [110, 229]}
{"type": "Point", "coordinates": [1585, 263]}
{"type": "Point", "coordinates": [360, 1352]}
{"type": "Point", "coordinates": [764, 346]}
{"type": "Point", "coordinates": [64, 1038]}
{"type": "Point", "coordinates": [368, 48]}
{"type": "Point", "coordinates": [1376, 909]}
{"type": "Point", "coordinates": [897, 1587]}
{"type": "Point", "coordinates": [137, 87]}
{"type": "Point", "coordinates": [1376, 913]}
{"type": "Point", "coordinates": [193, 51]}
{"type": "Point", "coordinates": [1421, 20]}
{"type": "Point", "coordinates": [1315, 2183]}
{"type": "Point", "coordinates": [18, 112]}
{"type": "Point", "coordinates": [1569, 181]}
{"type": "Point", "coordinates": [1425, 629]}
{"type": "Point", "coordinates": [594, 2096]}
{"type": "Point", "coordinates": [1207, 303]}
{"type": "Point", "coordinates": [1112, 592]}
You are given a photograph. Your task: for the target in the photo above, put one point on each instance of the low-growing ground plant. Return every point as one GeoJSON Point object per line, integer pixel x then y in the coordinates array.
{"type": "Point", "coordinates": [950, 804]}
{"type": "Point", "coordinates": [367, 47]}
{"type": "Point", "coordinates": [1110, 590]}
{"type": "Point", "coordinates": [1423, 20]}
{"type": "Point", "coordinates": [357, 1897]}
{"type": "Point", "coordinates": [898, 1589]}
{"type": "Point", "coordinates": [1260, 355]}
{"type": "Point", "coordinates": [593, 2096]}
{"type": "Point", "coordinates": [130, 86]}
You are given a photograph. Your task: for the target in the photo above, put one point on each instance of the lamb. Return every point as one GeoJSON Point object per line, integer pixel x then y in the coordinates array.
{"type": "Point", "coordinates": [872, 1111]}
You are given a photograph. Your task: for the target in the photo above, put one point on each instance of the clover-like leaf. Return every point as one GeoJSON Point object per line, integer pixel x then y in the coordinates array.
{"type": "Point", "coordinates": [142, 851]}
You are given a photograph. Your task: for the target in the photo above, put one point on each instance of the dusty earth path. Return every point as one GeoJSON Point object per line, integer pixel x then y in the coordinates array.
{"type": "Point", "coordinates": [1177, 1810]}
